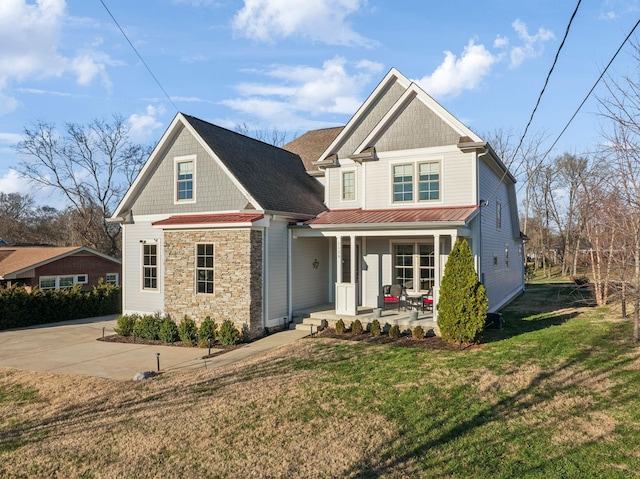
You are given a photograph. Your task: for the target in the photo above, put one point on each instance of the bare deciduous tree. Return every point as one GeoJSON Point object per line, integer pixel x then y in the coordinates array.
{"type": "Point", "coordinates": [91, 165]}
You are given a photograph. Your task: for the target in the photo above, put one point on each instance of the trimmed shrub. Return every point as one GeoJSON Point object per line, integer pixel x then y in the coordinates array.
{"type": "Point", "coordinates": [148, 327]}
{"type": "Point", "coordinates": [126, 324]}
{"type": "Point", "coordinates": [418, 332]}
{"type": "Point", "coordinates": [228, 334]}
{"type": "Point", "coordinates": [207, 331]}
{"type": "Point", "coordinates": [462, 307]}
{"type": "Point", "coordinates": [394, 331]}
{"type": "Point", "coordinates": [356, 327]}
{"type": "Point", "coordinates": [340, 326]}
{"type": "Point", "coordinates": [376, 330]}
{"type": "Point", "coordinates": [188, 331]}
{"type": "Point", "coordinates": [168, 330]}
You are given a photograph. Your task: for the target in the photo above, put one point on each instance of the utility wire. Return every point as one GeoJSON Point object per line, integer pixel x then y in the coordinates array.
{"type": "Point", "coordinates": [584, 100]}
{"type": "Point", "coordinates": [139, 56]}
{"type": "Point", "coordinates": [544, 87]}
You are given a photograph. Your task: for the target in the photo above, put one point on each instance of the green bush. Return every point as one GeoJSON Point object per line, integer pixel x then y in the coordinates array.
{"type": "Point", "coordinates": [168, 330]}
{"type": "Point", "coordinates": [207, 330]}
{"type": "Point", "coordinates": [188, 331]}
{"type": "Point", "coordinates": [126, 324]}
{"type": "Point", "coordinates": [340, 326]}
{"type": "Point", "coordinates": [148, 327]}
{"type": "Point", "coordinates": [418, 332]}
{"type": "Point", "coordinates": [356, 327]}
{"type": "Point", "coordinates": [20, 307]}
{"type": "Point", "coordinates": [462, 307]}
{"type": "Point", "coordinates": [228, 334]}
{"type": "Point", "coordinates": [394, 331]}
{"type": "Point", "coordinates": [376, 330]}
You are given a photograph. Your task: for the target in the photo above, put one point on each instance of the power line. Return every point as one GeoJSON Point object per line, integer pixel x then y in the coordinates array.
{"type": "Point", "coordinates": [575, 113]}
{"type": "Point", "coordinates": [139, 56]}
{"type": "Point", "coordinates": [535, 108]}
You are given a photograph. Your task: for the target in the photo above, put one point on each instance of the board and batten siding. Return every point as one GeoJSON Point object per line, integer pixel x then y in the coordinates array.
{"type": "Point", "coordinates": [135, 299]}
{"type": "Point", "coordinates": [214, 190]}
{"type": "Point", "coordinates": [277, 270]}
{"type": "Point", "coordinates": [501, 281]}
{"type": "Point", "coordinates": [310, 286]}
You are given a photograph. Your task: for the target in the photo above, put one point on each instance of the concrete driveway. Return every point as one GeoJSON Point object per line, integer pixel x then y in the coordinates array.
{"type": "Point", "coordinates": [71, 347]}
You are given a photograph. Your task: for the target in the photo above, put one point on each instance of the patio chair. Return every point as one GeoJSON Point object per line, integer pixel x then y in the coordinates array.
{"type": "Point", "coordinates": [427, 301]}
{"type": "Point", "coordinates": [391, 295]}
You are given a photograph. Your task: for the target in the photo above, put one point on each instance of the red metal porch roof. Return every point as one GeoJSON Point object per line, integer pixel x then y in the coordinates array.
{"type": "Point", "coordinates": [405, 215]}
{"type": "Point", "coordinates": [222, 218]}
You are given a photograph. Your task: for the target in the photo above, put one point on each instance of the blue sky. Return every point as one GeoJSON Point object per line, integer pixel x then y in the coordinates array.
{"type": "Point", "coordinates": [298, 64]}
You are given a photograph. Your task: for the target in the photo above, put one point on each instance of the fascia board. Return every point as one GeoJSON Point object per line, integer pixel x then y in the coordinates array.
{"type": "Point", "coordinates": [64, 255]}
{"type": "Point", "coordinates": [393, 76]}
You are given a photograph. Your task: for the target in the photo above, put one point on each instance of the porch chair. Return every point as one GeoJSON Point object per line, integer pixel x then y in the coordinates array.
{"type": "Point", "coordinates": [391, 295]}
{"type": "Point", "coordinates": [427, 301]}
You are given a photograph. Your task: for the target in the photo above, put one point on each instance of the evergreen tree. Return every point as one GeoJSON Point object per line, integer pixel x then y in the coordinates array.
{"type": "Point", "coordinates": [462, 306]}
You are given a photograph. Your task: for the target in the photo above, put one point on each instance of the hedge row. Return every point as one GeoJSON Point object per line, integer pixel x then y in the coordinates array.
{"type": "Point", "coordinates": [20, 307]}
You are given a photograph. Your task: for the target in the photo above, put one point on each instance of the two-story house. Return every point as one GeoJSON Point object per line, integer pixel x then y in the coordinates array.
{"type": "Point", "coordinates": [223, 225]}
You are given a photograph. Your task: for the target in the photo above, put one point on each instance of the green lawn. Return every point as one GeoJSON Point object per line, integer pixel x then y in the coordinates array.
{"type": "Point", "coordinates": [555, 394]}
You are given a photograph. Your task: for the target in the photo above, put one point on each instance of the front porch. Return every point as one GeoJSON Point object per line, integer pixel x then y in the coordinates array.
{"type": "Point", "coordinates": [311, 319]}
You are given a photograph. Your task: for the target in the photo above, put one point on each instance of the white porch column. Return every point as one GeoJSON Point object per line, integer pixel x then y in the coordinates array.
{"type": "Point", "coordinates": [438, 274]}
{"type": "Point", "coordinates": [338, 259]}
{"type": "Point", "coordinates": [352, 257]}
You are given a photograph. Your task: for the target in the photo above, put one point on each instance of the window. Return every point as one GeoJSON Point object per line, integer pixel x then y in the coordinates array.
{"type": "Point", "coordinates": [506, 256]}
{"type": "Point", "coordinates": [498, 215]}
{"type": "Point", "coordinates": [150, 266]}
{"type": "Point", "coordinates": [111, 278]}
{"type": "Point", "coordinates": [349, 186]}
{"type": "Point", "coordinates": [65, 281]}
{"type": "Point", "coordinates": [204, 268]}
{"type": "Point", "coordinates": [47, 282]}
{"type": "Point", "coordinates": [429, 181]}
{"type": "Point", "coordinates": [82, 279]}
{"type": "Point", "coordinates": [402, 183]}
{"type": "Point", "coordinates": [414, 261]}
{"type": "Point", "coordinates": [185, 176]}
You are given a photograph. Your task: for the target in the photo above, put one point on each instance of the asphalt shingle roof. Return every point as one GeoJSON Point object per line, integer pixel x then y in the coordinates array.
{"type": "Point", "coordinates": [276, 178]}
{"type": "Point", "coordinates": [312, 144]}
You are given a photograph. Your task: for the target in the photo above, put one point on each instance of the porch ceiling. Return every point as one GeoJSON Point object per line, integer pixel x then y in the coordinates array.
{"type": "Point", "coordinates": [394, 218]}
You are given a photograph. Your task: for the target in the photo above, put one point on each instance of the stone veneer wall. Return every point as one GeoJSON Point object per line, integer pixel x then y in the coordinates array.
{"type": "Point", "coordinates": [237, 277]}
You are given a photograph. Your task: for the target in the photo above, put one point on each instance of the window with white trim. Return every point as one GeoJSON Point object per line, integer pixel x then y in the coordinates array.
{"type": "Point", "coordinates": [348, 185]}
{"type": "Point", "coordinates": [150, 266]}
{"type": "Point", "coordinates": [429, 181]}
{"type": "Point", "coordinates": [204, 268]}
{"type": "Point", "coordinates": [414, 266]}
{"type": "Point", "coordinates": [82, 279]}
{"type": "Point", "coordinates": [185, 171]}
{"type": "Point", "coordinates": [66, 281]}
{"type": "Point", "coordinates": [506, 256]}
{"type": "Point", "coordinates": [111, 278]}
{"type": "Point", "coordinates": [48, 282]}
{"type": "Point", "coordinates": [498, 215]}
{"type": "Point", "coordinates": [402, 183]}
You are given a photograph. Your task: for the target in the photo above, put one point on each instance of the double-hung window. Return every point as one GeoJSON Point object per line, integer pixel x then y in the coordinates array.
{"type": "Point", "coordinates": [417, 182]}
{"type": "Point", "coordinates": [185, 171]}
{"type": "Point", "coordinates": [150, 266]}
{"type": "Point", "coordinates": [348, 186]}
{"type": "Point", "coordinates": [402, 183]}
{"type": "Point", "coordinates": [204, 268]}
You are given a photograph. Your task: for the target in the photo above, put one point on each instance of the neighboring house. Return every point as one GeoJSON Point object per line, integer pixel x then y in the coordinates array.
{"type": "Point", "coordinates": [55, 267]}
{"type": "Point", "coordinates": [223, 225]}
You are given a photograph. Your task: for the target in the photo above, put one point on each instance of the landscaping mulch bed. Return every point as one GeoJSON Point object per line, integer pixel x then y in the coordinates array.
{"type": "Point", "coordinates": [405, 340]}
{"type": "Point", "coordinates": [216, 349]}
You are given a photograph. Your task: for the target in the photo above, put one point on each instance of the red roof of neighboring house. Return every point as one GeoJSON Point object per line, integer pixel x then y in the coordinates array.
{"type": "Point", "coordinates": [223, 218]}
{"type": "Point", "coordinates": [406, 215]}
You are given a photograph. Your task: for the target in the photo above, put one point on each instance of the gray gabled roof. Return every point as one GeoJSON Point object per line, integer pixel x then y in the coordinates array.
{"type": "Point", "coordinates": [274, 177]}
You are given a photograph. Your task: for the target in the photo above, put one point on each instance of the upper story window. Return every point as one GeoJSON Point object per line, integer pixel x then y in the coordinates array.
{"type": "Point", "coordinates": [150, 266]}
{"type": "Point", "coordinates": [402, 183]}
{"type": "Point", "coordinates": [348, 186]}
{"type": "Point", "coordinates": [204, 268]}
{"type": "Point", "coordinates": [421, 177]}
{"type": "Point", "coordinates": [429, 181]}
{"type": "Point", "coordinates": [185, 173]}
{"type": "Point", "coordinates": [498, 215]}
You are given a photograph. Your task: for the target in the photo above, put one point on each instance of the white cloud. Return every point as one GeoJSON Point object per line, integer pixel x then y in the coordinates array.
{"type": "Point", "coordinates": [29, 42]}
{"type": "Point", "coordinates": [302, 91]}
{"type": "Point", "coordinates": [456, 74]}
{"type": "Point", "coordinates": [533, 45]}
{"type": "Point", "coordinates": [10, 139]}
{"type": "Point", "coordinates": [322, 21]}
{"type": "Point", "coordinates": [610, 15]}
{"type": "Point", "coordinates": [142, 126]}
{"type": "Point", "coordinates": [12, 182]}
